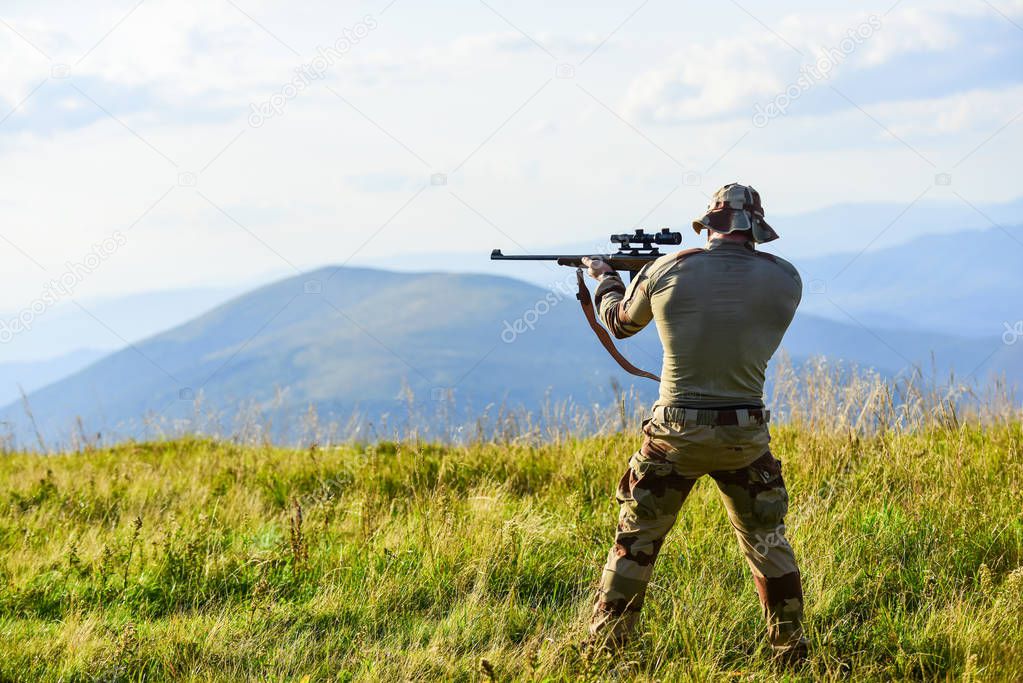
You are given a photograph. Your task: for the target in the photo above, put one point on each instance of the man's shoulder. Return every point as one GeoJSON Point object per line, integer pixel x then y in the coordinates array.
{"type": "Point", "coordinates": [654, 272]}
{"type": "Point", "coordinates": [780, 263]}
{"type": "Point", "coordinates": [669, 261]}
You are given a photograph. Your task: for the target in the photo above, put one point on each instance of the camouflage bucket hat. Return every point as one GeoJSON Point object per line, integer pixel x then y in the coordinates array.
{"type": "Point", "coordinates": [736, 207]}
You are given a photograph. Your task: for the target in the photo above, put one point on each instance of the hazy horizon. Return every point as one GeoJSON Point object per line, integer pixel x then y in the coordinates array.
{"type": "Point", "coordinates": [220, 141]}
{"type": "Point", "coordinates": [162, 157]}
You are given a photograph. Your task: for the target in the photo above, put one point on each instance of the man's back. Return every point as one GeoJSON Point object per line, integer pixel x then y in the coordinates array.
{"type": "Point", "coordinates": [721, 314]}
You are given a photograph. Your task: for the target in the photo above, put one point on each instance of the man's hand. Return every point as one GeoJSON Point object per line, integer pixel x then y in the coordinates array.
{"type": "Point", "coordinates": [596, 268]}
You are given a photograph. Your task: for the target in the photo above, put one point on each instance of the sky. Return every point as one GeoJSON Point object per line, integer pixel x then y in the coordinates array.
{"type": "Point", "coordinates": [155, 144]}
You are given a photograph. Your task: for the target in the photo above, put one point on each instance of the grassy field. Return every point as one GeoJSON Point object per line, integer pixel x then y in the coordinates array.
{"type": "Point", "coordinates": [202, 560]}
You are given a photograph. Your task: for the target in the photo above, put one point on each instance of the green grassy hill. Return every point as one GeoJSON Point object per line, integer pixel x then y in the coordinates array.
{"type": "Point", "coordinates": [200, 560]}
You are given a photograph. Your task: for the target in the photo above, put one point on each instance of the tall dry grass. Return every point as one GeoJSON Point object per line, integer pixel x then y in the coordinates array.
{"type": "Point", "coordinates": [422, 558]}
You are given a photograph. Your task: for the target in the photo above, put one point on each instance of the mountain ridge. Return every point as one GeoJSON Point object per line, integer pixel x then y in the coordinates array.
{"type": "Point", "coordinates": [340, 339]}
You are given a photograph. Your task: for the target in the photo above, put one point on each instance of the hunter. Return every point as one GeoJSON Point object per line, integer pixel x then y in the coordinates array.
{"type": "Point", "coordinates": [720, 312]}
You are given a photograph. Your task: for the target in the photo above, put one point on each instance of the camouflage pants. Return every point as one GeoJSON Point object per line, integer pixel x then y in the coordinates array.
{"type": "Point", "coordinates": [651, 492]}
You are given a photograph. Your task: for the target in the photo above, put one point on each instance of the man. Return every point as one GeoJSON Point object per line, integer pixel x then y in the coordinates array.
{"type": "Point", "coordinates": [720, 312]}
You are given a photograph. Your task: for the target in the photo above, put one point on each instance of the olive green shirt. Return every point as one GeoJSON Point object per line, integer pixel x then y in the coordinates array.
{"type": "Point", "coordinates": [720, 313]}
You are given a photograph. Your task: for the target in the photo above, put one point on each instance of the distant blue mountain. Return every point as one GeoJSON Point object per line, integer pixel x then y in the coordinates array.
{"type": "Point", "coordinates": [871, 226]}
{"type": "Point", "coordinates": [349, 339]}
{"type": "Point", "coordinates": [966, 284]}
{"type": "Point", "coordinates": [109, 322]}
{"type": "Point", "coordinates": [32, 375]}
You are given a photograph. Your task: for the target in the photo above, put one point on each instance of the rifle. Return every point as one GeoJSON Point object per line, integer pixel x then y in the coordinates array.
{"type": "Point", "coordinates": [635, 250]}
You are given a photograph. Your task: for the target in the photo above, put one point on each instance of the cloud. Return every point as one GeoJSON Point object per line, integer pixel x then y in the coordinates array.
{"type": "Point", "coordinates": [22, 68]}
{"type": "Point", "coordinates": [981, 109]}
{"type": "Point", "coordinates": [912, 30]}
{"type": "Point", "coordinates": [315, 180]}
{"type": "Point", "coordinates": [169, 56]}
{"type": "Point", "coordinates": [730, 75]}
{"type": "Point", "coordinates": [708, 80]}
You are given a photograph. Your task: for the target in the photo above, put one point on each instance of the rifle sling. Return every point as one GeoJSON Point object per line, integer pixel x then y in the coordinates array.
{"type": "Point", "coordinates": [605, 339]}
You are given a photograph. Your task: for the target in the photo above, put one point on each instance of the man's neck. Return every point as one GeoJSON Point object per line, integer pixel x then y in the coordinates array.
{"type": "Point", "coordinates": [720, 237]}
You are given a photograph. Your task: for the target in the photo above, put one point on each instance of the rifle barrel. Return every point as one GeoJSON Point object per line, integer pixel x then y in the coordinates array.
{"type": "Point", "coordinates": [630, 263]}
{"type": "Point", "coordinates": [496, 255]}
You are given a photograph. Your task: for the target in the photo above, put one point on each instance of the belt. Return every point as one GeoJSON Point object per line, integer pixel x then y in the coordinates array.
{"type": "Point", "coordinates": [740, 417]}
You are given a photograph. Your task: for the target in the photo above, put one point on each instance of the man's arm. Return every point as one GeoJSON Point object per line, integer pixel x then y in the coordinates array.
{"type": "Point", "coordinates": [623, 310]}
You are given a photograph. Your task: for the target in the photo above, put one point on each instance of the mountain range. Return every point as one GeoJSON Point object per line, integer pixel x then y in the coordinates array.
{"type": "Point", "coordinates": [17, 377]}
{"type": "Point", "coordinates": [963, 284]}
{"type": "Point", "coordinates": [106, 324]}
{"type": "Point", "coordinates": [353, 339]}
{"type": "Point", "coordinates": [364, 340]}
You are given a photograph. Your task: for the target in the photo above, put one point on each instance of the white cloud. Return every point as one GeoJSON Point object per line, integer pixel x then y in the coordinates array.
{"type": "Point", "coordinates": [707, 80]}
{"type": "Point", "coordinates": [731, 74]}
{"type": "Point", "coordinates": [911, 30]}
{"type": "Point", "coordinates": [21, 68]}
{"type": "Point", "coordinates": [186, 50]}
{"type": "Point", "coordinates": [981, 109]}
{"type": "Point", "coordinates": [562, 165]}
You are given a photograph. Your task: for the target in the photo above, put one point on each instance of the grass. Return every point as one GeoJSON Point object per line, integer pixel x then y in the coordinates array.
{"type": "Point", "coordinates": [201, 560]}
